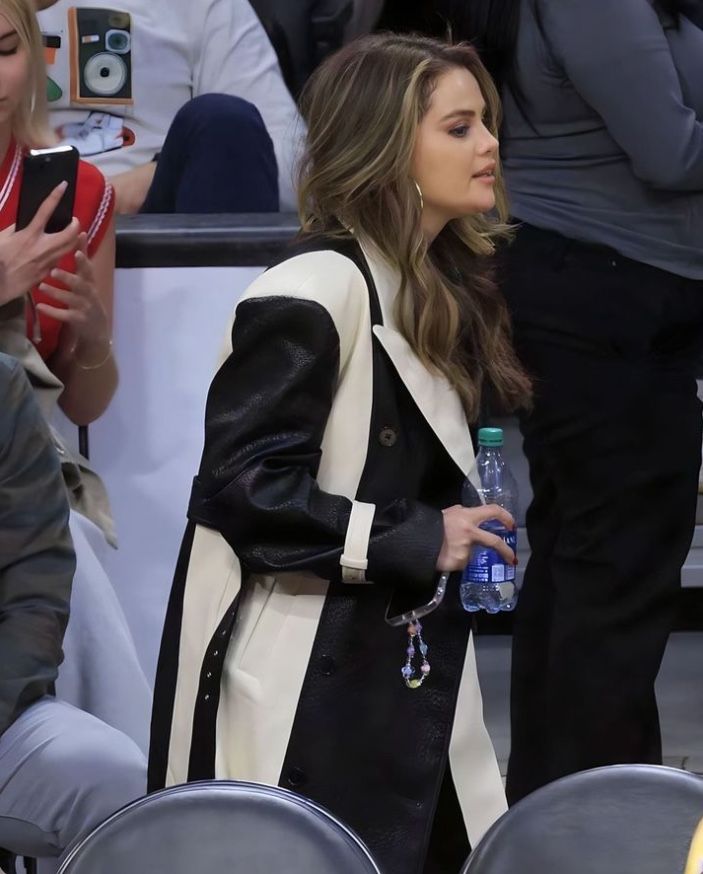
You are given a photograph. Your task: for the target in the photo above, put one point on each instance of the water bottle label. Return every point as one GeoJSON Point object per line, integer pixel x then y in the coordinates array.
{"type": "Point", "coordinates": [487, 566]}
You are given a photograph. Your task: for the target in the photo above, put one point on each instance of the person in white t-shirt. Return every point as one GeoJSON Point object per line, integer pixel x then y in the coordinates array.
{"type": "Point", "coordinates": [119, 75]}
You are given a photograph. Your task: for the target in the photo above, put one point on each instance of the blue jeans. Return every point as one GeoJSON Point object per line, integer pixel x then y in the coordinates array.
{"type": "Point", "coordinates": [217, 158]}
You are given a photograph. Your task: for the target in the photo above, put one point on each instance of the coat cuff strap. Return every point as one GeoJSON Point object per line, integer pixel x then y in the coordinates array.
{"type": "Point", "coordinates": [354, 559]}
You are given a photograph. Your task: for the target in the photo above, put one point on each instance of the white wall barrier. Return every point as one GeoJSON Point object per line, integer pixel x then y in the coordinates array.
{"type": "Point", "coordinates": [170, 326]}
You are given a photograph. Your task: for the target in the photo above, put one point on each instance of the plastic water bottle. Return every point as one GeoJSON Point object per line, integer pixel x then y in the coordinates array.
{"type": "Point", "coordinates": [488, 583]}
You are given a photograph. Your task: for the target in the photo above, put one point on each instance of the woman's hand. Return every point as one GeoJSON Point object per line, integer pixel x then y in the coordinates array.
{"type": "Point", "coordinates": [85, 317]}
{"type": "Point", "coordinates": [462, 533]}
{"type": "Point", "coordinates": [27, 256]}
{"type": "Point", "coordinates": [83, 359]}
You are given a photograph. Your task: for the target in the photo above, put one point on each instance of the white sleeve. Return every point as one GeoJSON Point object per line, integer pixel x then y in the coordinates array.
{"type": "Point", "coordinates": [235, 56]}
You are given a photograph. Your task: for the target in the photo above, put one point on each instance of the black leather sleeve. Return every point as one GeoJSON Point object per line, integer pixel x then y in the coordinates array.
{"type": "Point", "coordinates": [37, 561]}
{"type": "Point", "coordinates": [266, 415]}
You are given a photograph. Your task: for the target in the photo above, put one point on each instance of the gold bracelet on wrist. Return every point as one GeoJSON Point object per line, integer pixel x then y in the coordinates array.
{"type": "Point", "coordinates": [101, 363]}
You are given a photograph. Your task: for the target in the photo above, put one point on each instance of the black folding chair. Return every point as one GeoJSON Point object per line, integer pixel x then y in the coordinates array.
{"type": "Point", "coordinates": [240, 828]}
{"type": "Point", "coordinates": [625, 819]}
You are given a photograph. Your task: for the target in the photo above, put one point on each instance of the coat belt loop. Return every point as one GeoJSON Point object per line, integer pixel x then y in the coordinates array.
{"type": "Point", "coordinates": [354, 559]}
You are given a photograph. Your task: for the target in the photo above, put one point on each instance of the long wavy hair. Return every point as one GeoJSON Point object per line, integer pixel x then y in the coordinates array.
{"type": "Point", "coordinates": [363, 107]}
{"type": "Point", "coordinates": [30, 125]}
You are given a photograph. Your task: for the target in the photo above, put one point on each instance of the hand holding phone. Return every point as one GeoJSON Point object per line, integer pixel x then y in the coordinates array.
{"type": "Point", "coordinates": [29, 254]}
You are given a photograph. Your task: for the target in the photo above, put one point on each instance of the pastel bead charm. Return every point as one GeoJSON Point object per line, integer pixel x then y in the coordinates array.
{"type": "Point", "coordinates": [408, 671]}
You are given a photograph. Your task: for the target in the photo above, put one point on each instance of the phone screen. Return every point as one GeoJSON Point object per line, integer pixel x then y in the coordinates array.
{"type": "Point", "coordinates": [43, 170]}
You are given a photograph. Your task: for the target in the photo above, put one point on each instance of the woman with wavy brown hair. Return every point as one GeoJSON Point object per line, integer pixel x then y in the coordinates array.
{"type": "Point", "coordinates": [337, 440]}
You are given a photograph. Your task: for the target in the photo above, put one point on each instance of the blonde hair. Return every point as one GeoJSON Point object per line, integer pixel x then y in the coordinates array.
{"type": "Point", "coordinates": [30, 125]}
{"type": "Point", "coordinates": [363, 106]}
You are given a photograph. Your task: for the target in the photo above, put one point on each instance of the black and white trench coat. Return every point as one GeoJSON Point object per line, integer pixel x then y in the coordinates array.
{"type": "Point", "coordinates": [329, 453]}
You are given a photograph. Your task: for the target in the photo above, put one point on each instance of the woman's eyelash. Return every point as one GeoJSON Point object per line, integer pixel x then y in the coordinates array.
{"type": "Point", "coordinates": [462, 129]}
{"type": "Point", "coordinates": [5, 53]}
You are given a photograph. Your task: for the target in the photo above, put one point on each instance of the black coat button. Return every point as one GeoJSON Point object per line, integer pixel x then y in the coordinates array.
{"type": "Point", "coordinates": [328, 665]}
{"type": "Point", "coordinates": [296, 778]}
{"type": "Point", "coordinates": [387, 436]}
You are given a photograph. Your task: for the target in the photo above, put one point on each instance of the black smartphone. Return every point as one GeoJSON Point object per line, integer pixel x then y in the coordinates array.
{"type": "Point", "coordinates": [43, 170]}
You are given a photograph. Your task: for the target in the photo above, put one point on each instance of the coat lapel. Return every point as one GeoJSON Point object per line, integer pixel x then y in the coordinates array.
{"type": "Point", "coordinates": [435, 398]}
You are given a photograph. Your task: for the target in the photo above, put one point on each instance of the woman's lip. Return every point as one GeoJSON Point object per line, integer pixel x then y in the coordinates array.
{"type": "Point", "coordinates": [485, 177]}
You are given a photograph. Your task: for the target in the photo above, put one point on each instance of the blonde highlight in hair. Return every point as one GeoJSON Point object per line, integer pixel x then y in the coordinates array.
{"type": "Point", "coordinates": [363, 107]}
{"type": "Point", "coordinates": [30, 124]}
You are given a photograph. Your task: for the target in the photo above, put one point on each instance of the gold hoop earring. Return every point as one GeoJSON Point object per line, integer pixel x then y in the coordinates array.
{"type": "Point", "coordinates": [419, 191]}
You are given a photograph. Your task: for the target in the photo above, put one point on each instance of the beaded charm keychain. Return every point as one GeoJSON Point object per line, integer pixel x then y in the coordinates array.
{"type": "Point", "coordinates": [408, 671]}
{"type": "Point", "coordinates": [416, 645]}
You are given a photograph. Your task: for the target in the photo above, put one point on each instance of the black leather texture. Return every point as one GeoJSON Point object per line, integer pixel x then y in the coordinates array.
{"type": "Point", "coordinates": [266, 415]}
{"type": "Point", "coordinates": [624, 819]}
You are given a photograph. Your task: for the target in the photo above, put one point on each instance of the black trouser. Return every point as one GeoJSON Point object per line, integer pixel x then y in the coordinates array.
{"type": "Point", "coordinates": [449, 844]}
{"type": "Point", "coordinates": [614, 446]}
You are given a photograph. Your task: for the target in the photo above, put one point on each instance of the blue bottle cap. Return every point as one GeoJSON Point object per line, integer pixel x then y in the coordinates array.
{"type": "Point", "coordinates": [490, 437]}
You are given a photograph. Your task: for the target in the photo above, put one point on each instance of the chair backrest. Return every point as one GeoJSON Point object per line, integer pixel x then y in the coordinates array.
{"type": "Point", "coordinates": [221, 826]}
{"type": "Point", "coordinates": [303, 33]}
{"type": "Point", "coordinates": [625, 819]}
